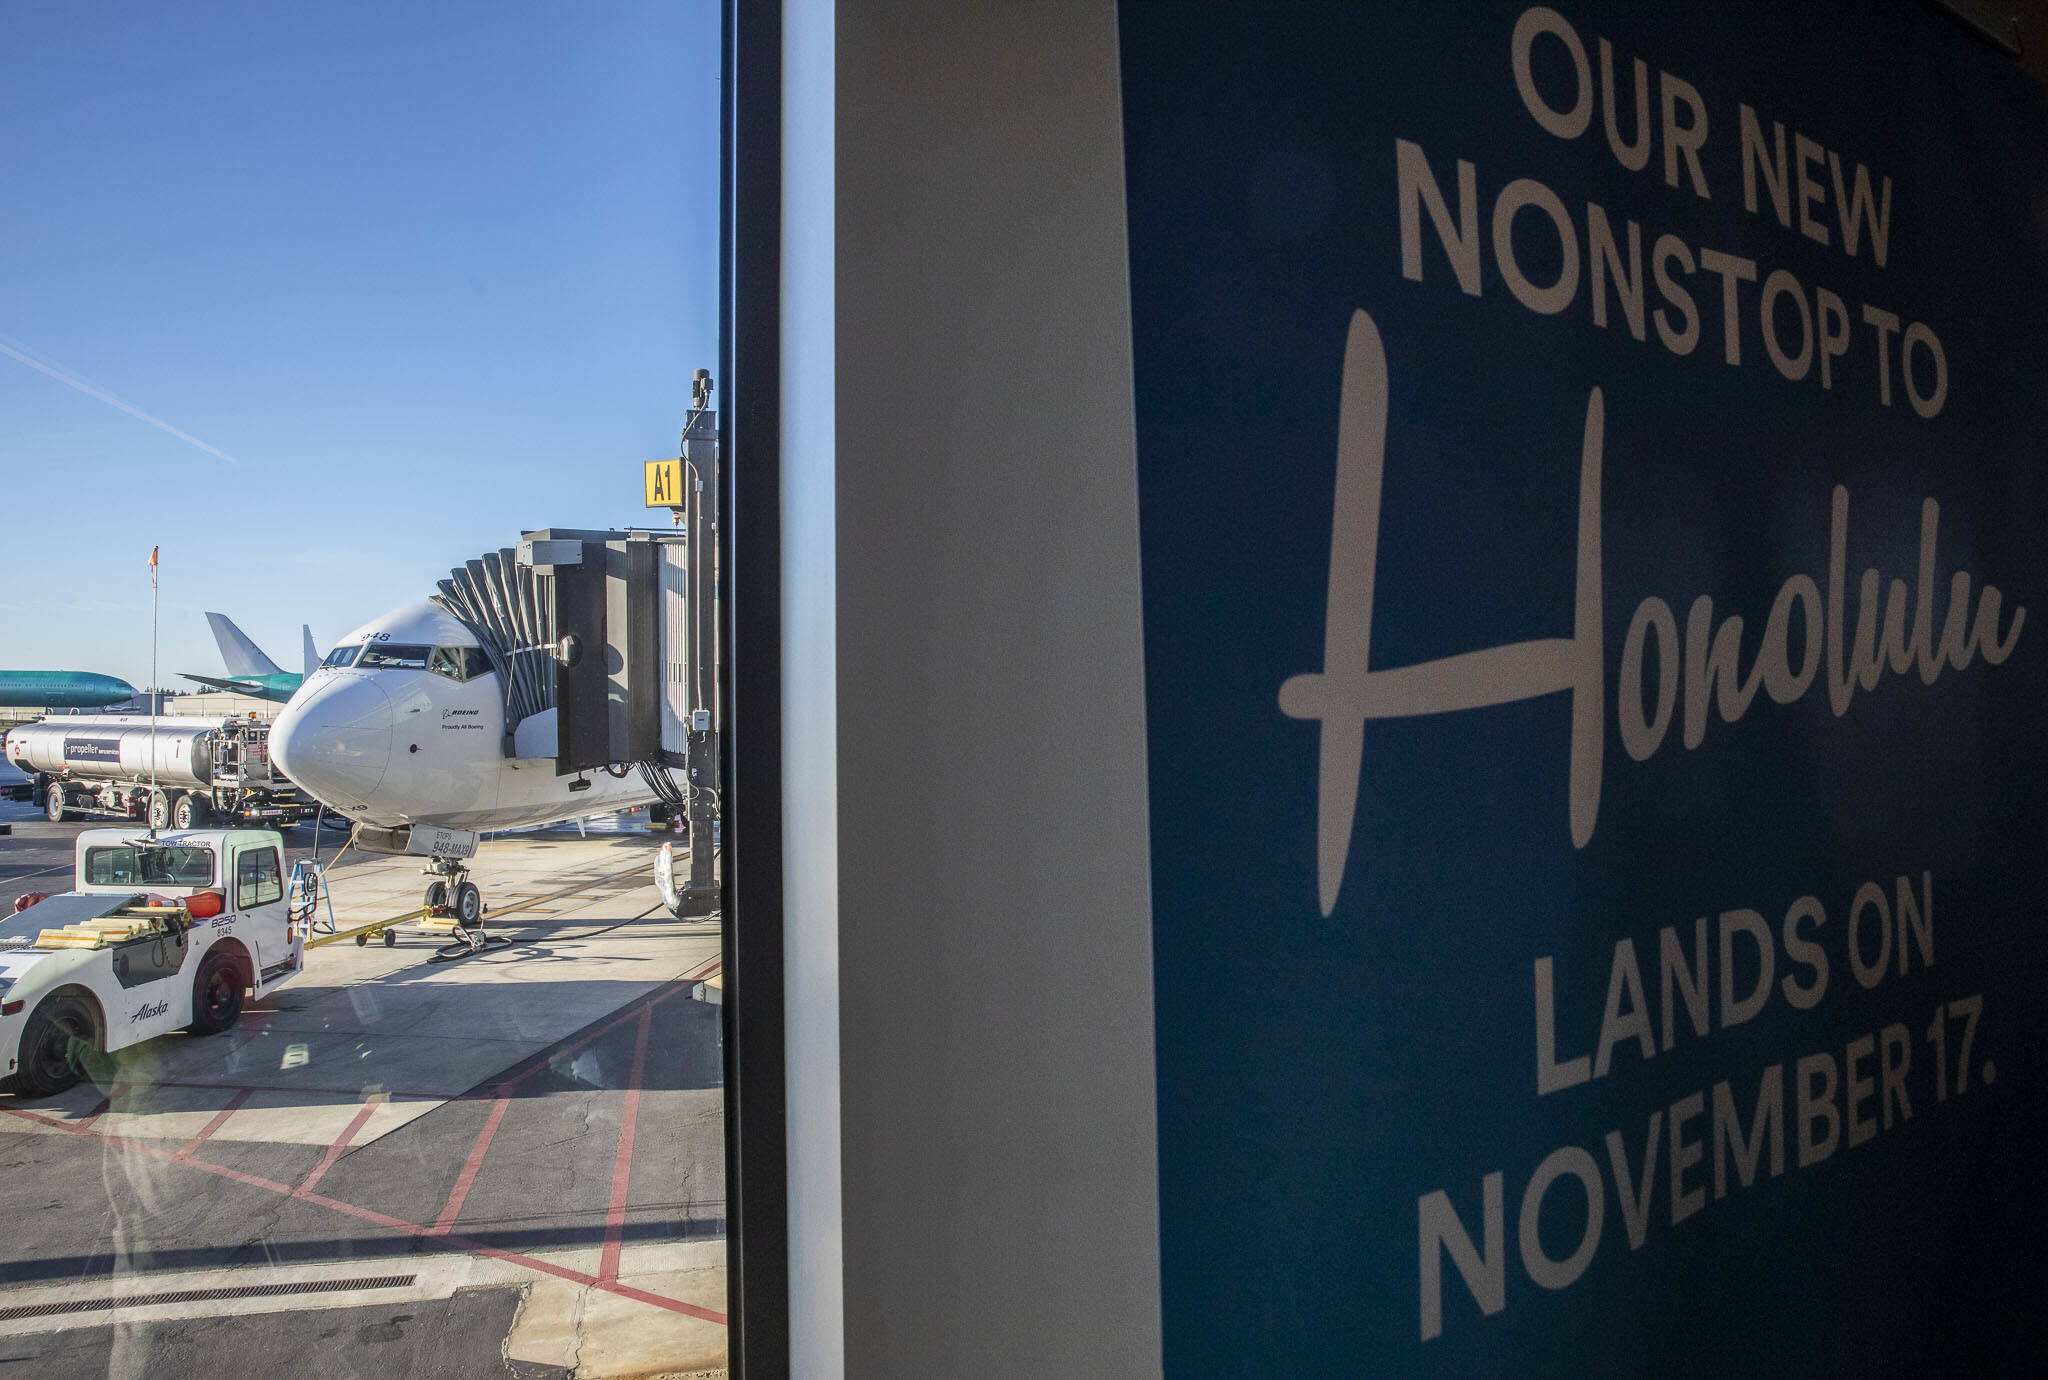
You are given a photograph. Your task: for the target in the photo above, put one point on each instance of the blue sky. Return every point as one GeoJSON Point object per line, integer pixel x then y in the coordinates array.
{"type": "Point", "coordinates": [426, 275]}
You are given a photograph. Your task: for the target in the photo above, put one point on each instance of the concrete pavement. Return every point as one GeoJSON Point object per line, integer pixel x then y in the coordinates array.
{"type": "Point", "coordinates": [547, 1114]}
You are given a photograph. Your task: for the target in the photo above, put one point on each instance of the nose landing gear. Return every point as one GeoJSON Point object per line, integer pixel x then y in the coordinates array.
{"type": "Point", "coordinates": [452, 896]}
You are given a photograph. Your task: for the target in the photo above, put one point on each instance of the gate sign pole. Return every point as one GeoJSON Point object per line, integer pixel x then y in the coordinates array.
{"type": "Point", "coordinates": [1595, 542]}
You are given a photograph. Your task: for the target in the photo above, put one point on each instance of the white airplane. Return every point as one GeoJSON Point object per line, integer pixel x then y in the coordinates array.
{"type": "Point", "coordinates": [401, 729]}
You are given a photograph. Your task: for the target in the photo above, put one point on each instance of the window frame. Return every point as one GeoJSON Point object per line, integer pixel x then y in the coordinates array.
{"type": "Point", "coordinates": [256, 853]}
{"type": "Point", "coordinates": [141, 878]}
{"type": "Point", "coordinates": [394, 650]}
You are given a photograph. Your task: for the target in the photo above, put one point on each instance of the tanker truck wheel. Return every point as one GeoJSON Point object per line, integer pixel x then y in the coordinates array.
{"type": "Point", "coordinates": [190, 812]}
{"type": "Point", "coordinates": [159, 809]}
{"type": "Point", "coordinates": [53, 804]}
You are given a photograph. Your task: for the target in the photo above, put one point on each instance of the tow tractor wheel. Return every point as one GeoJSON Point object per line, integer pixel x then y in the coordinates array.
{"type": "Point", "coordinates": [53, 804]}
{"type": "Point", "coordinates": [216, 995]}
{"type": "Point", "coordinates": [159, 809]}
{"type": "Point", "coordinates": [190, 812]}
{"type": "Point", "coordinates": [469, 906]}
{"type": "Point", "coordinates": [436, 900]}
{"type": "Point", "coordinates": [390, 939]}
{"type": "Point", "coordinates": [60, 1031]}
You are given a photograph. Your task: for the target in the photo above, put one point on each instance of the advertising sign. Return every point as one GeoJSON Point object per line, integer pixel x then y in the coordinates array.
{"type": "Point", "coordinates": [82, 750]}
{"type": "Point", "coordinates": [1594, 526]}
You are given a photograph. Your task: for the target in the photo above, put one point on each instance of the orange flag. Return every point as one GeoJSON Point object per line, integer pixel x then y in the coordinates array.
{"type": "Point", "coordinates": [152, 555]}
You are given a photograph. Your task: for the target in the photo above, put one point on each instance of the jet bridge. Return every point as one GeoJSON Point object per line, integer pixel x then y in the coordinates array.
{"type": "Point", "coordinates": [606, 646]}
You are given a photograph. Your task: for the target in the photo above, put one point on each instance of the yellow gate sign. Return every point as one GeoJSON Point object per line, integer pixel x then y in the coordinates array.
{"type": "Point", "coordinates": [664, 483]}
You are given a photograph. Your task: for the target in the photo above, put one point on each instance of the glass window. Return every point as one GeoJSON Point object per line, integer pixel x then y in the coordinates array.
{"type": "Point", "coordinates": [343, 656]}
{"type": "Point", "coordinates": [446, 661]}
{"type": "Point", "coordinates": [394, 656]}
{"type": "Point", "coordinates": [474, 663]}
{"type": "Point", "coordinates": [128, 865]}
{"type": "Point", "coordinates": [257, 880]}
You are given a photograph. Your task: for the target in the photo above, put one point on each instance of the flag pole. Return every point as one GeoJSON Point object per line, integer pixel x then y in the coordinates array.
{"type": "Point", "coordinates": [152, 692]}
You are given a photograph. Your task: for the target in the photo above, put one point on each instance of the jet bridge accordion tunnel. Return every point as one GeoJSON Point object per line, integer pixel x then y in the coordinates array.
{"type": "Point", "coordinates": [596, 635]}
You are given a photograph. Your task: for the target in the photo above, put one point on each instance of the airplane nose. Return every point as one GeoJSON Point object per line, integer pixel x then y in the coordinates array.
{"type": "Point", "coordinates": [336, 742]}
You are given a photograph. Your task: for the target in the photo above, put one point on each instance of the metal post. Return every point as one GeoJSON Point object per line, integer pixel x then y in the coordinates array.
{"type": "Point", "coordinates": [149, 809]}
{"type": "Point", "coordinates": [701, 478]}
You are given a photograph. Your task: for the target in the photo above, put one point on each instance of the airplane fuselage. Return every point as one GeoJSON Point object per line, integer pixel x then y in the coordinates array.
{"type": "Point", "coordinates": [404, 725]}
{"type": "Point", "coordinates": [62, 690]}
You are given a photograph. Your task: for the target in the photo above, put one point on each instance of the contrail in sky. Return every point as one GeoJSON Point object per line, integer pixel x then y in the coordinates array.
{"type": "Point", "coordinates": [93, 390]}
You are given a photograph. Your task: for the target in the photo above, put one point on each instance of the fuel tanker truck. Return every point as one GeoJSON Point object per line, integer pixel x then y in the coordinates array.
{"type": "Point", "coordinates": [203, 769]}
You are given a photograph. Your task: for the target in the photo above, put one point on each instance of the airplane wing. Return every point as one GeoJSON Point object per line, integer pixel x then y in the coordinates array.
{"type": "Point", "coordinates": [312, 650]}
{"type": "Point", "coordinates": [241, 656]}
{"type": "Point", "coordinates": [238, 687]}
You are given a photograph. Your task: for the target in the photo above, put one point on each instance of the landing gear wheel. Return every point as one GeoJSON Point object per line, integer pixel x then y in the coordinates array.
{"type": "Point", "coordinates": [190, 812]}
{"type": "Point", "coordinates": [53, 804]}
{"type": "Point", "coordinates": [390, 939]}
{"type": "Point", "coordinates": [59, 1031]}
{"type": "Point", "coordinates": [159, 810]}
{"type": "Point", "coordinates": [216, 995]}
{"type": "Point", "coordinates": [452, 896]}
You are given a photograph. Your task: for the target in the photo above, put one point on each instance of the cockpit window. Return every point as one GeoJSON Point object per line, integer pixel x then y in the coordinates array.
{"type": "Point", "coordinates": [343, 656]}
{"type": "Point", "coordinates": [459, 663]}
{"type": "Point", "coordinates": [394, 656]}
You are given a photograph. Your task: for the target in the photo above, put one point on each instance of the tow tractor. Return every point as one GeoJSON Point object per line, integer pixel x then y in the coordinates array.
{"type": "Point", "coordinates": [158, 934]}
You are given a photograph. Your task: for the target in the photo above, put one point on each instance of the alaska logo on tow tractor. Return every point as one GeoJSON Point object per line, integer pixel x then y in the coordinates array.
{"type": "Point", "coordinates": [149, 1011]}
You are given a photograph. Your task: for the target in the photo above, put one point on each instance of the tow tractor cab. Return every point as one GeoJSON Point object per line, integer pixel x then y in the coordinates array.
{"type": "Point", "coordinates": [156, 936]}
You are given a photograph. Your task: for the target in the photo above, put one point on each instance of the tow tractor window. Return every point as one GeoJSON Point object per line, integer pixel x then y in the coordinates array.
{"type": "Point", "coordinates": [257, 882]}
{"type": "Point", "coordinates": [343, 656]}
{"type": "Point", "coordinates": [127, 865]}
{"type": "Point", "coordinates": [394, 656]}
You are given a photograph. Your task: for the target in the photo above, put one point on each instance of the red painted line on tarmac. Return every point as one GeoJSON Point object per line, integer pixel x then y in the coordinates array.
{"type": "Point", "coordinates": [461, 1243]}
{"type": "Point", "coordinates": [220, 1119]}
{"type": "Point", "coordinates": [124, 1143]}
{"type": "Point", "coordinates": [453, 1207]}
{"type": "Point", "coordinates": [85, 1122]}
{"type": "Point", "coordinates": [334, 1151]}
{"type": "Point", "coordinates": [632, 1012]}
{"type": "Point", "coordinates": [622, 1167]}
{"type": "Point", "coordinates": [474, 1162]}
{"type": "Point", "coordinates": [51, 1121]}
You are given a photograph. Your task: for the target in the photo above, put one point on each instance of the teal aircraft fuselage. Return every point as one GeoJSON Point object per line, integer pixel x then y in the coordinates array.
{"type": "Point", "coordinates": [62, 690]}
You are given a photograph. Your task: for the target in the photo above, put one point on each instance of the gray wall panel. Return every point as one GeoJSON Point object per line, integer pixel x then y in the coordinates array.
{"type": "Point", "coordinates": [999, 1161]}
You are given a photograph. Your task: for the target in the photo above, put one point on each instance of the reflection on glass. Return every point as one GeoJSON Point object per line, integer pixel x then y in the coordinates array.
{"type": "Point", "coordinates": [127, 865]}
{"type": "Point", "coordinates": [394, 656]}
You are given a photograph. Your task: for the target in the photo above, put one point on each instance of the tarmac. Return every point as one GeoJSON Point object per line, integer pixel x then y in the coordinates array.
{"type": "Point", "coordinates": [517, 1154]}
